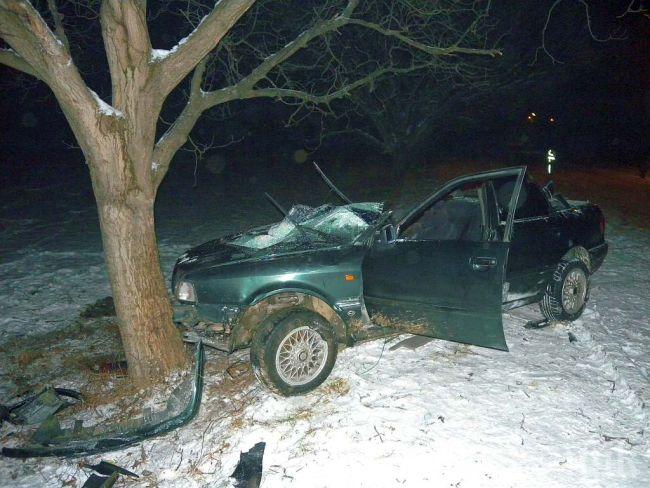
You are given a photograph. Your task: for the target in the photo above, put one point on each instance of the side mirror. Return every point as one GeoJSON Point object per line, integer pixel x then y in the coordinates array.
{"type": "Point", "coordinates": [388, 234]}
{"type": "Point", "coordinates": [549, 189]}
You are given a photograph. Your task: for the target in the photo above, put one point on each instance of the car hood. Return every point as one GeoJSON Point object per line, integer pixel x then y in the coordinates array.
{"type": "Point", "coordinates": [304, 229]}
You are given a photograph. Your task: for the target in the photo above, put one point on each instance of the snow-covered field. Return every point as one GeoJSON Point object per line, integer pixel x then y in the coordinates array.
{"type": "Point", "coordinates": [549, 413]}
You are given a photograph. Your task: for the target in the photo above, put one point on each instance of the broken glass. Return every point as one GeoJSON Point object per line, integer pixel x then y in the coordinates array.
{"type": "Point", "coordinates": [326, 224]}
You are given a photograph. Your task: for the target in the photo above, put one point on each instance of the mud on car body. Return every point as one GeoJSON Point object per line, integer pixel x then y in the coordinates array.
{"type": "Point", "coordinates": [323, 277]}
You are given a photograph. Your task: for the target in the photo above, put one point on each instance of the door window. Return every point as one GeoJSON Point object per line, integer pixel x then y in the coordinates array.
{"type": "Point", "coordinates": [531, 203]}
{"type": "Point", "coordinates": [458, 216]}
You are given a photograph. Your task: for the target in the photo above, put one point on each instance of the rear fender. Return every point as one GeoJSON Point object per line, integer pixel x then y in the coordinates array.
{"type": "Point", "coordinates": [580, 253]}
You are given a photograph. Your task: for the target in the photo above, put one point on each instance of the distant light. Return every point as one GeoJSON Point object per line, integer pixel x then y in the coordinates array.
{"type": "Point", "coordinates": [550, 157]}
{"type": "Point", "coordinates": [551, 120]}
{"type": "Point", "coordinates": [350, 277]}
{"type": "Point", "coordinates": [533, 114]}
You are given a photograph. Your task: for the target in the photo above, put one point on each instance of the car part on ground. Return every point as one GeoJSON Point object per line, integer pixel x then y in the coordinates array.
{"type": "Point", "coordinates": [37, 408]}
{"type": "Point", "coordinates": [108, 474]}
{"type": "Point", "coordinates": [51, 440]}
{"type": "Point", "coordinates": [106, 469]}
{"type": "Point", "coordinates": [293, 351]}
{"type": "Point", "coordinates": [248, 472]}
{"type": "Point", "coordinates": [567, 293]}
{"type": "Point", "coordinates": [97, 481]}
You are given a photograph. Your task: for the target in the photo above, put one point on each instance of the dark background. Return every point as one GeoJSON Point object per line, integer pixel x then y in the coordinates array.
{"type": "Point", "coordinates": [597, 94]}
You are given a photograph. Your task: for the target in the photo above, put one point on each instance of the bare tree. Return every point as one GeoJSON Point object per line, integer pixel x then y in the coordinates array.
{"type": "Point", "coordinates": [128, 162]}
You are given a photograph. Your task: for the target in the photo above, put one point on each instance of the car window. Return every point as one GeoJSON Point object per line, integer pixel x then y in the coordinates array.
{"type": "Point", "coordinates": [535, 205]}
{"type": "Point", "coordinates": [458, 216]}
{"type": "Point", "coordinates": [531, 202]}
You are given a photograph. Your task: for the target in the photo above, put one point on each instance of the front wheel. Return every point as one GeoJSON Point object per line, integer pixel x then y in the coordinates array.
{"type": "Point", "coordinates": [293, 352]}
{"type": "Point", "coordinates": [567, 293]}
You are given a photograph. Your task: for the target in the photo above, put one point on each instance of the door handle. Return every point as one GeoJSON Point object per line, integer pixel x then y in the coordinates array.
{"type": "Point", "coordinates": [482, 263]}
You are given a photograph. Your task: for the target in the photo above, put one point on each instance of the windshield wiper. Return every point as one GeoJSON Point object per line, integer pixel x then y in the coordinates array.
{"type": "Point", "coordinates": [276, 204]}
{"type": "Point", "coordinates": [331, 185]}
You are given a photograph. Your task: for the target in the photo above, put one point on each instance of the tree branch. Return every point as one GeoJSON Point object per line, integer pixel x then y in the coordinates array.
{"type": "Point", "coordinates": [177, 134]}
{"type": "Point", "coordinates": [320, 29]}
{"type": "Point", "coordinates": [300, 42]}
{"type": "Point", "coordinates": [173, 68]}
{"type": "Point", "coordinates": [58, 23]}
{"type": "Point", "coordinates": [127, 45]}
{"type": "Point", "coordinates": [10, 58]}
{"type": "Point", "coordinates": [326, 98]}
{"type": "Point", "coordinates": [432, 50]}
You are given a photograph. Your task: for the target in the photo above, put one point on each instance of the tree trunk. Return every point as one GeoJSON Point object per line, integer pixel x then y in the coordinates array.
{"type": "Point", "coordinates": [151, 342]}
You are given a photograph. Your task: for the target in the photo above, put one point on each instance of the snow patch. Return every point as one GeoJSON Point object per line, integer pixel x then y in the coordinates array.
{"type": "Point", "coordinates": [551, 413]}
{"type": "Point", "coordinates": [159, 54]}
{"type": "Point", "coordinates": [105, 108]}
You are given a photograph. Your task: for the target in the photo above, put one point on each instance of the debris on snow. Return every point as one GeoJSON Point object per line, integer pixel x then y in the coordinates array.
{"type": "Point", "coordinates": [577, 421]}
{"type": "Point", "coordinates": [248, 472]}
{"type": "Point", "coordinates": [53, 439]}
{"type": "Point", "coordinates": [105, 468]}
{"type": "Point", "coordinates": [97, 481]}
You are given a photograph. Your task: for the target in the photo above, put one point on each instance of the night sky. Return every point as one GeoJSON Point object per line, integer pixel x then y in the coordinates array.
{"type": "Point", "coordinates": [595, 92]}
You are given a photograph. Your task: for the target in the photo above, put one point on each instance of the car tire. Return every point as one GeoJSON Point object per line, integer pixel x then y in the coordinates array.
{"type": "Point", "coordinates": [567, 293]}
{"type": "Point", "coordinates": [293, 351]}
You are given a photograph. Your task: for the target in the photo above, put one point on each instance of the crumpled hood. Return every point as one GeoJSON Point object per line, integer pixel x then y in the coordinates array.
{"type": "Point", "coordinates": [320, 228]}
{"type": "Point", "coordinates": [217, 251]}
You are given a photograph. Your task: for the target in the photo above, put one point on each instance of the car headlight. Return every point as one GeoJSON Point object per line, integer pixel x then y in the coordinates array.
{"type": "Point", "coordinates": [185, 292]}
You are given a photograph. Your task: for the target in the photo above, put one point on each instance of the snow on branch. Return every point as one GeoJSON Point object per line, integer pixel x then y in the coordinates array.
{"type": "Point", "coordinates": [104, 108]}
{"type": "Point", "coordinates": [182, 59]}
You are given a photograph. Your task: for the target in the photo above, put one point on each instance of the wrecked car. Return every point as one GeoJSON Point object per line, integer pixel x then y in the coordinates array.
{"type": "Point", "coordinates": [297, 290]}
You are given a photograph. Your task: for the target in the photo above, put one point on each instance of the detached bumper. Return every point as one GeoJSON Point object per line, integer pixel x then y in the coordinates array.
{"type": "Point", "coordinates": [597, 256]}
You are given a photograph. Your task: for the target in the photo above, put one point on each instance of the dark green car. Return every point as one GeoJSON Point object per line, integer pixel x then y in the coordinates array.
{"type": "Point", "coordinates": [323, 277]}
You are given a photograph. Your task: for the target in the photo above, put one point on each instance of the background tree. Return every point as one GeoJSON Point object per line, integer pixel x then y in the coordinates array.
{"type": "Point", "coordinates": [126, 158]}
{"type": "Point", "coordinates": [424, 112]}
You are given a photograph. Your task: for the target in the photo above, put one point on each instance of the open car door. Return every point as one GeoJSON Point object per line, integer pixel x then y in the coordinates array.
{"type": "Point", "coordinates": [440, 272]}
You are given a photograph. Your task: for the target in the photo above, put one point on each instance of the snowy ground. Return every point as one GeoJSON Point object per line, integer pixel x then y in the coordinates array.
{"type": "Point", "coordinates": [549, 413]}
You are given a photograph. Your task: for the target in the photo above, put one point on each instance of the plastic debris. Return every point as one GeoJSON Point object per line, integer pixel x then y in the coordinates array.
{"type": "Point", "coordinates": [51, 440]}
{"type": "Point", "coordinates": [96, 481]}
{"type": "Point", "coordinates": [105, 468]}
{"type": "Point", "coordinates": [248, 473]}
{"type": "Point", "coordinates": [38, 408]}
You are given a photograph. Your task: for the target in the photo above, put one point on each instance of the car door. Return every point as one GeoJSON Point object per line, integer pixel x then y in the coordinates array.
{"type": "Point", "coordinates": [538, 242]}
{"type": "Point", "coordinates": [442, 275]}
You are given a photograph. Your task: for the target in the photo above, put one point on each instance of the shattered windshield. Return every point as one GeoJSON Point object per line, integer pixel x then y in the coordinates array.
{"type": "Point", "coordinates": [326, 224]}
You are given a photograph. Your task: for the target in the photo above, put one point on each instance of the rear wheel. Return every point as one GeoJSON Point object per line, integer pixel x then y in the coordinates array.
{"type": "Point", "coordinates": [293, 352]}
{"type": "Point", "coordinates": [567, 293]}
